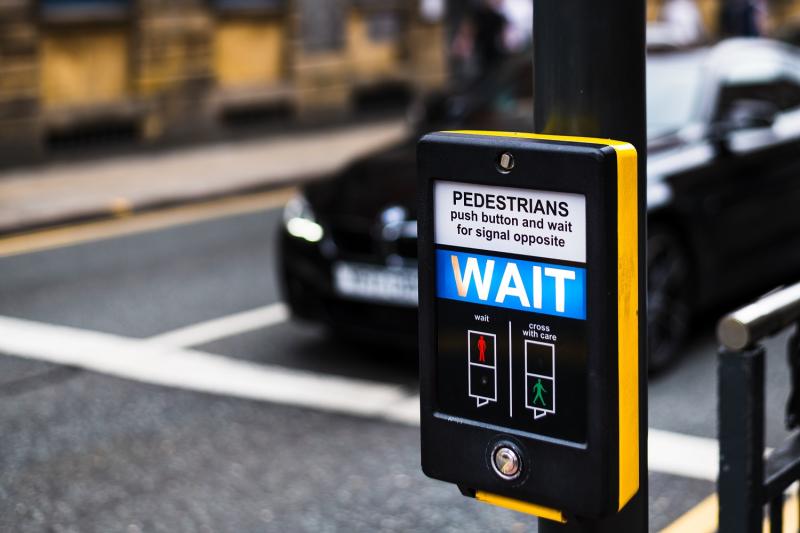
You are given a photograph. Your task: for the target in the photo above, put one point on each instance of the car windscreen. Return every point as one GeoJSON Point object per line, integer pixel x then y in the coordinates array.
{"type": "Point", "coordinates": [673, 87]}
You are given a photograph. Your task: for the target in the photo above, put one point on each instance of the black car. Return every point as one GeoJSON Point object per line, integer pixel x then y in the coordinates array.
{"type": "Point", "coordinates": [723, 195]}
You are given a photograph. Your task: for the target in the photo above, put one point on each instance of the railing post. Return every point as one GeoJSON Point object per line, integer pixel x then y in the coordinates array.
{"type": "Point", "coordinates": [776, 514]}
{"type": "Point", "coordinates": [793, 357]}
{"type": "Point", "coordinates": [741, 440]}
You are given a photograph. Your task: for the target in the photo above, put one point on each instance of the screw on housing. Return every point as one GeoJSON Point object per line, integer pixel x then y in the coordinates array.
{"type": "Point", "coordinates": [506, 161]}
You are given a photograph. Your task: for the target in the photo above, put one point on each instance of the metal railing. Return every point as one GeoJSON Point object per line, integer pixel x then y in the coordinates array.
{"type": "Point", "coordinates": [747, 481]}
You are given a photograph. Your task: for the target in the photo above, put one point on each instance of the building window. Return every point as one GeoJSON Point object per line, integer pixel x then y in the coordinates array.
{"type": "Point", "coordinates": [322, 24]}
{"type": "Point", "coordinates": [251, 6]}
{"type": "Point", "coordinates": [383, 26]}
{"type": "Point", "coordinates": [84, 10]}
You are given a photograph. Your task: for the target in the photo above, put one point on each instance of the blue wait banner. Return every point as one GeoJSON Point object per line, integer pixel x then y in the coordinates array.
{"type": "Point", "coordinates": [544, 288]}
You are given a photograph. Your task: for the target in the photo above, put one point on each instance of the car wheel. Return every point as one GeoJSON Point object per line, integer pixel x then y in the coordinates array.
{"type": "Point", "coordinates": [668, 292]}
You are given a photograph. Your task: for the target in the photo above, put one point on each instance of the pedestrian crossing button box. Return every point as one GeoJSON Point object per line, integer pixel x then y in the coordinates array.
{"type": "Point", "coordinates": [528, 276]}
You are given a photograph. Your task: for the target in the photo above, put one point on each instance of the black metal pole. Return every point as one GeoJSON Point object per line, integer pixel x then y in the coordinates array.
{"type": "Point", "coordinates": [589, 80]}
{"type": "Point", "coordinates": [776, 514]}
{"type": "Point", "coordinates": [741, 440]}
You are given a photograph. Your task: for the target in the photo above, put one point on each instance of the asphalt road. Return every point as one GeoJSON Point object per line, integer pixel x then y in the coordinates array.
{"type": "Point", "coordinates": [87, 451]}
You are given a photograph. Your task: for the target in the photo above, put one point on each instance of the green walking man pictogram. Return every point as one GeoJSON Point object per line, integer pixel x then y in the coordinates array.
{"type": "Point", "coordinates": [538, 389]}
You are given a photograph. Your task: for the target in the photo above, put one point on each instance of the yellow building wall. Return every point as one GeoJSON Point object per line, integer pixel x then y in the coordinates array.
{"type": "Point", "coordinates": [172, 50]}
{"type": "Point", "coordinates": [17, 78]}
{"type": "Point", "coordinates": [781, 14]}
{"type": "Point", "coordinates": [778, 14]}
{"type": "Point", "coordinates": [249, 52]}
{"type": "Point", "coordinates": [653, 10]}
{"type": "Point", "coordinates": [369, 59]}
{"type": "Point", "coordinates": [84, 67]}
{"type": "Point", "coordinates": [321, 82]}
{"type": "Point", "coordinates": [428, 56]}
{"type": "Point", "coordinates": [709, 9]}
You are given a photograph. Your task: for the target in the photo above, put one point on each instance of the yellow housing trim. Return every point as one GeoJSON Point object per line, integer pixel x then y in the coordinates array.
{"type": "Point", "coordinates": [541, 137]}
{"type": "Point", "coordinates": [628, 321]}
{"type": "Point", "coordinates": [522, 507]}
{"type": "Point", "coordinates": [627, 299]}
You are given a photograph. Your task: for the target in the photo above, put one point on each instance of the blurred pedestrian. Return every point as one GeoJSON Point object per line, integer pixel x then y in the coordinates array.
{"type": "Point", "coordinates": [519, 27]}
{"type": "Point", "coordinates": [743, 18]}
{"type": "Point", "coordinates": [684, 22]}
{"type": "Point", "coordinates": [479, 43]}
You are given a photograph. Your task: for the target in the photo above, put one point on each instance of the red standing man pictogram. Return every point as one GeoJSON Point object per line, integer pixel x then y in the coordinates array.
{"type": "Point", "coordinates": [482, 349]}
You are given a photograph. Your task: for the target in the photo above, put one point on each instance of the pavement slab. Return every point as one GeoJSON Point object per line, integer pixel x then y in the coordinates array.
{"type": "Point", "coordinates": [61, 192]}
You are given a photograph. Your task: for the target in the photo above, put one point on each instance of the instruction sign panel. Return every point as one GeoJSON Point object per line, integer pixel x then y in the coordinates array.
{"type": "Point", "coordinates": [511, 299]}
{"type": "Point", "coordinates": [515, 221]}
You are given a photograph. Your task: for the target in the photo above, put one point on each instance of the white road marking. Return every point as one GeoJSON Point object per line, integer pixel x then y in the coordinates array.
{"type": "Point", "coordinates": [187, 369]}
{"type": "Point", "coordinates": [683, 455]}
{"type": "Point", "coordinates": [148, 362]}
{"type": "Point", "coordinates": [227, 326]}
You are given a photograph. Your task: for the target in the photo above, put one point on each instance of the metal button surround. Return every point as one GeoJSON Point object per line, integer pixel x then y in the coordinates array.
{"type": "Point", "coordinates": [506, 462]}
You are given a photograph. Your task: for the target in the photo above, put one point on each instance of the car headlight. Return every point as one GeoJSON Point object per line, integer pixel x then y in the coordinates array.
{"type": "Point", "coordinates": [299, 220]}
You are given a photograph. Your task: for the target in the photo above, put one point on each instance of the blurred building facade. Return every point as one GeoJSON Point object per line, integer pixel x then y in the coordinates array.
{"type": "Point", "coordinates": [163, 69]}
{"type": "Point", "coordinates": [777, 14]}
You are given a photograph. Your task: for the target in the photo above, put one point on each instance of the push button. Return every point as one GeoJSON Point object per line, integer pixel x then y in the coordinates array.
{"type": "Point", "coordinates": [506, 462]}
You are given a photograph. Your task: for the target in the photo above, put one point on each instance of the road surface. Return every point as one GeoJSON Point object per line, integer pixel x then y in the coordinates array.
{"type": "Point", "coordinates": [152, 381]}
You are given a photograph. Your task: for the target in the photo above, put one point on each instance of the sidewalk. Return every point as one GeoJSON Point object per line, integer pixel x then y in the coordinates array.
{"type": "Point", "coordinates": [64, 192]}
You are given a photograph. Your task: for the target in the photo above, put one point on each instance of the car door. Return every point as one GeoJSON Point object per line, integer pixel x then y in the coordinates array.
{"type": "Point", "coordinates": [754, 207]}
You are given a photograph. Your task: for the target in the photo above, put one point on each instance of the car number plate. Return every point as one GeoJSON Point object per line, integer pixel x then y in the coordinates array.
{"type": "Point", "coordinates": [397, 285]}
